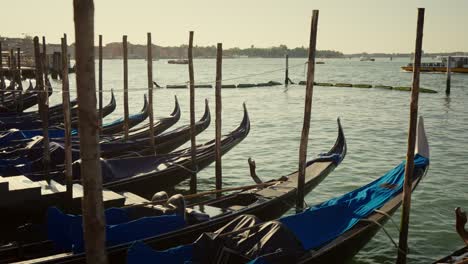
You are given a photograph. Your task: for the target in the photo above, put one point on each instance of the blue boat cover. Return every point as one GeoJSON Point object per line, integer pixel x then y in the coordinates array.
{"type": "Point", "coordinates": [9, 136]}
{"type": "Point", "coordinates": [140, 253]}
{"type": "Point", "coordinates": [313, 227]}
{"type": "Point", "coordinates": [66, 230]}
{"type": "Point", "coordinates": [330, 219]}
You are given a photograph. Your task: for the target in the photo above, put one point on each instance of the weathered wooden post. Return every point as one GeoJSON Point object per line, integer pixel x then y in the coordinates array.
{"type": "Point", "coordinates": [149, 60]}
{"type": "Point", "coordinates": [449, 72]}
{"type": "Point", "coordinates": [2, 80]}
{"type": "Point", "coordinates": [125, 65]}
{"type": "Point", "coordinates": [13, 75]}
{"type": "Point", "coordinates": [46, 59]}
{"type": "Point", "coordinates": [100, 82]}
{"type": "Point", "coordinates": [409, 166]}
{"type": "Point", "coordinates": [93, 209]}
{"type": "Point", "coordinates": [219, 63]}
{"type": "Point", "coordinates": [42, 94]}
{"type": "Point", "coordinates": [307, 112]}
{"type": "Point", "coordinates": [19, 76]}
{"type": "Point", "coordinates": [193, 146]}
{"type": "Point", "coordinates": [286, 77]}
{"type": "Point", "coordinates": [67, 123]}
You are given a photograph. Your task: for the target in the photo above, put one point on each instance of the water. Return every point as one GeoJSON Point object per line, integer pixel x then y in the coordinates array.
{"type": "Point", "coordinates": [375, 123]}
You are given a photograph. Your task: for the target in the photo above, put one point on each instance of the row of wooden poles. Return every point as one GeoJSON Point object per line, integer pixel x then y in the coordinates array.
{"type": "Point", "coordinates": [14, 66]}
{"type": "Point", "coordinates": [93, 210]}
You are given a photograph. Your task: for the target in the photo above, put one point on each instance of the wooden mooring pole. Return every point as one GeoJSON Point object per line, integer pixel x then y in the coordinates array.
{"type": "Point", "coordinates": [46, 59]}
{"type": "Point", "coordinates": [13, 75]}
{"type": "Point", "coordinates": [307, 112]}
{"type": "Point", "coordinates": [100, 82]}
{"type": "Point", "coordinates": [149, 60]}
{"type": "Point", "coordinates": [409, 166]}
{"type": "Point", "coordinates": [193, 146]}
{"type": "Point", "coordinates": [44, 97]}
{"type": "Point", "coordinates": [449, 73]}
{"type": "Point", "coordinates": [286, 77]}
{"type": "Point", "coordinates": [2, 80]}
{"type": "Point", "coordinates": [218, 167]}
{"type": "Point", "coordinates": [67, 123]}
{"type": "Point", "coordinates": [42, 94]}
{"type": "Point", "coordinates": [125, 69]}
{"type": "Point", "coordinates": [19, 76]}
{"type": "Point", "coordinates": [93, 209]}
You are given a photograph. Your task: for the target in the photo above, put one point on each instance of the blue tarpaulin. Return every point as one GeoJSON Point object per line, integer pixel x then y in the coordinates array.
{"type": "Point", "coordinates": [332, 218]}
{"type": "Point", "coordinates": [67, 232]}
{"type": "Point", "coordinates": [140, 253]}
{"type": "Point", "coordinates": [13, 135]}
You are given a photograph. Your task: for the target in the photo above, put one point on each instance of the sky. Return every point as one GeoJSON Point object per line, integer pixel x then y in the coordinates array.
{"type": "Point", "coordinates": [350, 26]}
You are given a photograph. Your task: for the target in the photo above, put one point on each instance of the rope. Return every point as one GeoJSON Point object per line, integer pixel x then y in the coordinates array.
{"type": "Point", "coordinates": [389, 217]}
{"type": "Point", "coordinates": [385, 231]}
{"type": "Point", "coordinates": [184, 168]}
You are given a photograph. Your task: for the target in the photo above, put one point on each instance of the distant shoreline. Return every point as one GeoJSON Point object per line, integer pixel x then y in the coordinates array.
{"type": "Point", "coordinates": [137, 51]}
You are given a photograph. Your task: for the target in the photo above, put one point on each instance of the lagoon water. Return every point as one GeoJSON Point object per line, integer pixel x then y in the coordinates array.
{"type": "Point", "coordinates": [375, 122]}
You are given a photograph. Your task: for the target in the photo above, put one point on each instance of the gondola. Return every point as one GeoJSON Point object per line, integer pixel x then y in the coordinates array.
{"type": "Point", "coordinates": [137, 174]}
{"type": "Point", "coordinates": [461, 255]}
{"type": "Point", "coordinates": [141, 131]}
{"type": "Point", "coordinates": [55, 120]}
{"type": "Point", "coordinates": [267, 202]}
{"type": "Point", "coordinates": [29, 100]}
{"type": "Point", "coordinates": [330, 232]}
{"type": "Point", "coordinates": [53, 111]}
{"type": "Point", "coordinates": [117, 126]}
{"type": "Point", "coordinates": [18, 139]}
{"type": "Point", "coordinates": [165, 143]}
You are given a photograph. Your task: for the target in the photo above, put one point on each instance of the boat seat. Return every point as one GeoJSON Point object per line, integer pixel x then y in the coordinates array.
{"type": "Point", "coordinates": [209, 210]}
{"type": "Point", "coordinates": [236, 207]}
{"type": "Point", "coordinates": [276, 191]}
{"type": "Point", "coordinates": [194, 216]}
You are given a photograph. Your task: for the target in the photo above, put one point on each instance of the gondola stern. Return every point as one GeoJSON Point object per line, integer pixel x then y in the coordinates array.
{"type": "Point", "coordinates": [340, 147]}
{"type": "Point", "coordinates": [246, 119]}
{"type": "Point", "coordinates": [176, 111]}
{"type": "Point", "coordinates": [145, 107]}
{"type": "Point", "coordinates": [207, 114]}
{"type": "Point", "coordinates": [422, 144]}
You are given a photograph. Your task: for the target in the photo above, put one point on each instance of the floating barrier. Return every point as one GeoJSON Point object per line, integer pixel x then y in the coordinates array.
{"type": "Point", "coordinates": [383, 87]}
{"type": "Point", "coordinates": [241, 85]}
{"type": "Point", "coordinates": [362, 85]}
{"type": "Point", "coordinates": [422, 90]}
{"type": "Point", "coordinates": [176, 86]}
{"type": "Point", "coordinates": [323, 84]}
{"type": "Point", "coordinates": [246, 85]}
{"type": "Point", "coordinates": [343, 85]}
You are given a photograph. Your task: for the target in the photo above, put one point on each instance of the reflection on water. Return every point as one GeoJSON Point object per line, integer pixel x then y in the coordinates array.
{"type": "Point", "coordinates": [375, 122]}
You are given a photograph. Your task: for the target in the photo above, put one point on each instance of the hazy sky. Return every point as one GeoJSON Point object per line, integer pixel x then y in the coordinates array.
{"type": "Point", "coordinates": [349, 26]}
